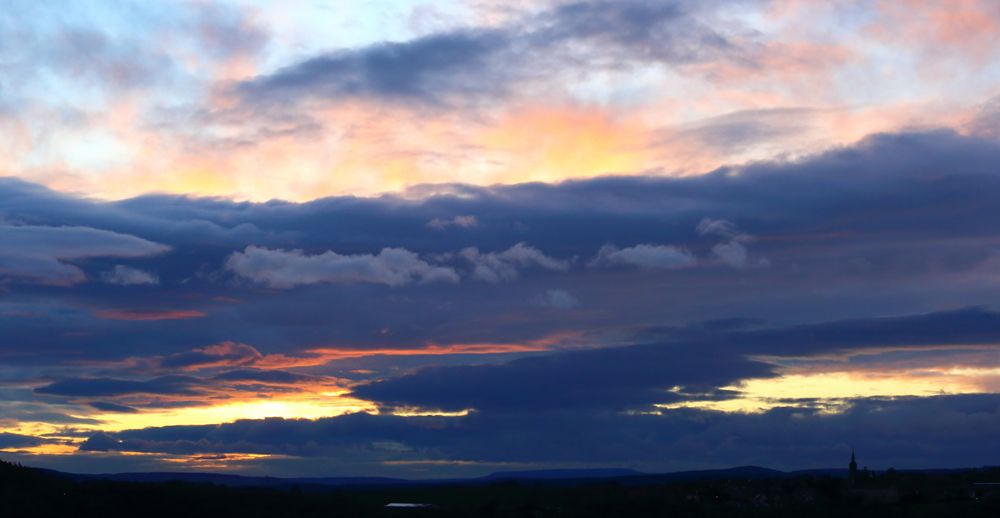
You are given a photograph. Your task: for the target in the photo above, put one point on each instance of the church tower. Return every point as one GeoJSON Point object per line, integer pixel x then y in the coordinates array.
{"type": "Point", "coordinates": [853, 466]}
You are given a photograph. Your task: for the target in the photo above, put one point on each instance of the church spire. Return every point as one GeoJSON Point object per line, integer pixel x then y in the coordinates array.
{"type": "Point", "coordinates": [853, 466]}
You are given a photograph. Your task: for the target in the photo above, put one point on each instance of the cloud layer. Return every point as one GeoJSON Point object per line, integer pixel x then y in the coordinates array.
{"type": "Point", "coordinates": [619, 310]}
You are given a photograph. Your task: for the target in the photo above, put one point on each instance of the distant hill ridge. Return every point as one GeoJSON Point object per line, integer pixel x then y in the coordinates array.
{"type": "Point", "coordinates": [567, 477]}
{"type": "Point", "coordinates": [622, 475]}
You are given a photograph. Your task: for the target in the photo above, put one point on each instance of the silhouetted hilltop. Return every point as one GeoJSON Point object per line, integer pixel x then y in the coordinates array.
{"type": "Point", "coordinates": [561, 474]}
{"type": "Point", "coordinates": [239, 480]}
{"type": "Point", "coordinates": [742, 492]}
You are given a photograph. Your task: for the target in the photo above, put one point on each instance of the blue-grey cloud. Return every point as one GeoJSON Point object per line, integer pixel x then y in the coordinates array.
{"type": "Point", "coordinates": [128, 276]}
{"type": "Point", "coordinates": [696, 360]}
{"type": "Point", "coordinates": [105, 406]}
{"type": "Point", "coordinates": [504, 265]}
{"type": "Point", "coordinates": [475, 63]}
{"type": "Point", "coordinates": [13, 440]}
{"type": "Point", "coordinates": [290, 268]}
{"type": "Point", "coordinates": [558, 299]}
{"type": "Point", "coordinates": [421, 69]}
{"type": "Point", "coordinates": [40, 254]}
{"type": "Point", "coordinates": [103, 387]}
{"type": "Point", "coordinates": [457, 221]}
{"type": "Point", "coordinates": [987, 121]}
{"type": "Point", "coordinates": [265, 376]}
{"type": "Point", "coordinates": [644, 256]}
{"type": "Point", "coordinates": [619, 378]}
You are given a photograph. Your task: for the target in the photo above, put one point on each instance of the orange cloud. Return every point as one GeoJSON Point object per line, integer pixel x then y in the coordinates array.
{"type": "Point", "coordinates": [122, 314]}
{"type": "Point", "coordinates": [324, 355]}
{"type": "Point", "coordinates": [962, 29]}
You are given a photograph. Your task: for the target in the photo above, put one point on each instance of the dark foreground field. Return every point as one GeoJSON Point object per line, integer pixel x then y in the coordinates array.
{"type": "Point", "coordinates": [30, 492]}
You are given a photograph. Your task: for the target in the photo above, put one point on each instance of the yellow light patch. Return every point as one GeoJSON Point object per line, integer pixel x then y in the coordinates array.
{"type": "Point", "coordinates": [46, 449]}
{"type": "Point", "coordinates": [309, 408]}
{"type": "Point", "coordinates": [425, 412]}
{"type": "Point", "coordinates": [758, 395]}
{"type": "Point", "coordinates": [548, 144]}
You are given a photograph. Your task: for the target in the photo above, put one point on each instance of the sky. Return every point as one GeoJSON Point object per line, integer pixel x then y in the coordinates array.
{"type": "Point", "coordinates": [426, 239]}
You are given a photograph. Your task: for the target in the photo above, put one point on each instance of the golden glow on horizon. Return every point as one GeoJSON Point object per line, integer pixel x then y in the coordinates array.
{"type": "Point", "coordinates": [207, 462]}
{"type": "Point", "coordinates": [313, 406]}
{"type": "Point", "coordinates": [829, 390]}
{"type": "Point", "coordinates": [758, 395]}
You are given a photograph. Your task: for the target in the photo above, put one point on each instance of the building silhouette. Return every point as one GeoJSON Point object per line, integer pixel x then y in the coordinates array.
{"type": "Point", "coordinates": [853, 466]}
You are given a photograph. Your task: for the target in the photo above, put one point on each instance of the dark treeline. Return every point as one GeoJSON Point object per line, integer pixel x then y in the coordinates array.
{"type": "Point", "coordinates": [29, 492]}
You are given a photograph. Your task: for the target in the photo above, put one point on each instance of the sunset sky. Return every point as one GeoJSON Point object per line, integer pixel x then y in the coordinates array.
{"type": "Point", "coordinates": [445, 238]}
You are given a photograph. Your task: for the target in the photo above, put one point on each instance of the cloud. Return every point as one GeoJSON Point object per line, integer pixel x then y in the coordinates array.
{"type": "Point", "coordinates": [720, 227]}
{"type": "Point", "coordinates": [484, 62]}
{"type": "Point", "coordinates": [287, 269]}
{"type": "Point", "coordinates": [264, 376]}
{"type": "Point", "coordinates": [104, 387]}
{"type": "Point", "coordinates": [733, 252]}
{"type": "Point", "coordinates": [617, 378]}
{"type": "Point", "coordinates": [697, 359]}
{"type": "Point", "coordinates": [814, 217]}
{"type": "Point", "coordinates": [226, 354]}
{"type": "Point", "coordinates": [127, 276]}
{"type": "Point", "coordinates": [457, 221]}
{"type": "Point", "coordinates": [105, 406]}
{"type": "Point", "coordinates": [504, 266]}
{"type": "Point", "coordinates": [743, 130]}
{"type": "Point", "coordinates": [13, 440]}
{"type": "Point", "coordinates": [148, 316]}
{"type": "Point", "coordinates": [421, 69]}
{"type": "Point", "coordinates": [803, 232]}
{"type": "Point", "coordinates": [644, 256]}
{"type": "Point", "coordinates": [39, 253]}
{"type": "Point", "coordinates": [986, 122]}
{"type": "Point", "coordinates": [944, 431]}
{"type": "Point", "coordinates": [557, 299]}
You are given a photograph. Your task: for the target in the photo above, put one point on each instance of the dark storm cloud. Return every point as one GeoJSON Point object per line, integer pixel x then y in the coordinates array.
{"type": "Point", "coordinates": [614, 378]}
{"type": "Point", "coordinates": [476, 63]}
{"type": "Point", "coordinates": [696, 359]}
{"type": "Point", "coordinates": [940, 431]}
{"type": "Point", "coordinates": [224, 354]}
{"type": "Point", "coordinates": [689, 362]}
{"type": "Point", "coordinates": [103, 387]}
{"type": "Point", "coordinates": [13, 440]}
{"type": "Point", "coordinates": [265, 376]}
{"type": "Point", "coordinates": [969, 326]}
{"type": "Point", "coordinates": [104, 406]}
{"type": "Point", "coordinates": [965, 326]}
